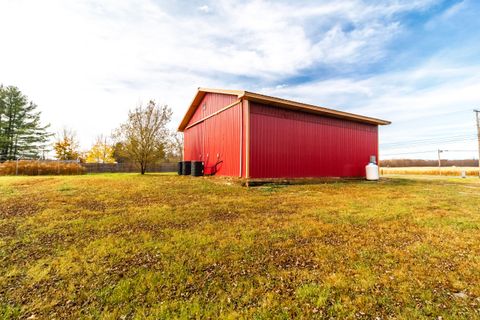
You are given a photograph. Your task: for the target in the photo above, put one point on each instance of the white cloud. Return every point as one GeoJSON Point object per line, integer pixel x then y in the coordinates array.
{"type": "Point", "coordinates": [434, 100]}
{"type": "Point", "coordinates": [448, 15]}
{"type": "Point", "coordinates": [85, 63]}
{"type": "Point", "coordinates": [204, 8]}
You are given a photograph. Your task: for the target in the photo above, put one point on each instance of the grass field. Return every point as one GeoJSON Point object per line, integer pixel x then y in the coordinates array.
{"type": "Point", "coordinates": [445, 171]}
{"type": "Point", "coordinates": [127, 246]}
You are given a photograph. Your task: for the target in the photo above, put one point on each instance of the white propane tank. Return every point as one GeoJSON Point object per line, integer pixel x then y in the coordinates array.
{"type": "Point", "coordinates": [372, 170]}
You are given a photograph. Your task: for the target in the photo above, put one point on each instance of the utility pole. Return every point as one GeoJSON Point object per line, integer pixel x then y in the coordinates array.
{"type": "Point", "coordinates": [440, 161]}
{"type": "Point", "coordinates": [478, 137]}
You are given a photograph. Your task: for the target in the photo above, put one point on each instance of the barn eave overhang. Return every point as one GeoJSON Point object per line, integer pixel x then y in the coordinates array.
{"type": "Point", "coordinates": [278, 102]}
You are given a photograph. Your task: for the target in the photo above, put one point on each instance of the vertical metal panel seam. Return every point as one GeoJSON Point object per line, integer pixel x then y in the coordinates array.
{"type": "Point", "coordinates": [247, 151]}
{"type": "Point", "coordinates": [378, 148]}
{"type": "Point", "coordinates": [241, 139]}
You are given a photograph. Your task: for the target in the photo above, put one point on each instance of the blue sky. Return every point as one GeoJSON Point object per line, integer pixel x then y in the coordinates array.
{"type": "Point", "coordinates": [416, 63]}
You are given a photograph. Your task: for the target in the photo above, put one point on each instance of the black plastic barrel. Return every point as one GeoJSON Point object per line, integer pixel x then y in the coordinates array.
{"type": "Point", "coordinates": [197, 168]}
{"type": "Point", "coordinates": [180, 168]}
{"type": "Point", "coordinates": [186, 168]}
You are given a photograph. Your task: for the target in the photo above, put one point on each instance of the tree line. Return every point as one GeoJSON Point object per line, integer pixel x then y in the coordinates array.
{"type": "Point", "coordinates": [395, 163]}
{"type": "Point", "coordinates": [144, 138]}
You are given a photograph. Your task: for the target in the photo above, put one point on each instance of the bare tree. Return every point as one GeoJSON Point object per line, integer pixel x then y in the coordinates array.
{"type": "Point", "coordinates": [175, 146]}
{"type": "Point", "coordinates": [144, 137]}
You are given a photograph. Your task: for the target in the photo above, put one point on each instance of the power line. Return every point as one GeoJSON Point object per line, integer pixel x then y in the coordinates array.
{"type": "Point", "coordinates": [395, 154]}
{"type": "Point", "coordinates": [461, 150]}
{"type": "Point", "coordinates": [412, 147]}
{"type": "Point", "coordinates": [426, 141]}
{"type": "Point", "coordinates": [435, 138]}
{"type": "Point", "coordinates": [402, 146]}
{"type": "Point", "coordinates": [429, 151]}
{"type": "Point", "coordinates": [441, 114]}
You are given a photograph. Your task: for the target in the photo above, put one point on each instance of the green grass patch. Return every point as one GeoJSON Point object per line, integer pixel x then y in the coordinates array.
{"type": "Point", "coordinates": [161, 246]}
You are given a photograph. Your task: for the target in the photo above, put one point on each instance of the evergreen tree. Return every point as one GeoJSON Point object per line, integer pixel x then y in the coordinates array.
{"type": "Point", "coordinates": [21, 133]}
{"type": "Point", "coordinates": [3, 123]}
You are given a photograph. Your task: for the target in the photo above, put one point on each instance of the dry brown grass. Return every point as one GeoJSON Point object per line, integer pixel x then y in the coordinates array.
{"type": "Point", "coordinates": [37, 168]}
{"type": "Point", "coordinates": [125, 246]}
{"type": "Point", "coordinates": [446, 171]}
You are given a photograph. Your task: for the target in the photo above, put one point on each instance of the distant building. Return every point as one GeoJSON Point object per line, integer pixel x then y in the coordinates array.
{"type": "Point", "coordinates": [249, 135]}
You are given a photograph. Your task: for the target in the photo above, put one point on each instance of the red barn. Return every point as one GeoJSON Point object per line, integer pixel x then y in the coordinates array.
{"type": "Point", "coordinates": [245, 134]}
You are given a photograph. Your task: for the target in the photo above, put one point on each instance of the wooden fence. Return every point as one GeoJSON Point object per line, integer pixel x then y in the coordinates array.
{"type": "Point", "coordinates": [68, 167]}
{"type": "Point", "coordinates": [128, 167]}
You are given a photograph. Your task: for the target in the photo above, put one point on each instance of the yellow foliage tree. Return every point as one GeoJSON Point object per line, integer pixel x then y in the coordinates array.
{"type": "Point", "coordinates": [101, 152]}
{"type": "Point", "coordinates": [66, 146]}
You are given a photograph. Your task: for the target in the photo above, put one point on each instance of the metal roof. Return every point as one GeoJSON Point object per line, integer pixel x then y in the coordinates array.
{"type": "Point", "coordinates": [278, 102]}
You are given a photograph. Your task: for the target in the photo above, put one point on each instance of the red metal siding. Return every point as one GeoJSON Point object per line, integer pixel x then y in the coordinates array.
{"type": "Point", "coordinates": [292, 144]}
{"type": "Point", "coordinates": [244, 132]}
{"type": "Point", "coordinates": [217, 138]}
{"type": "Point", "coordinates": [212, 103]}
{"type": "Point", "coordinates": [193, 143]}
